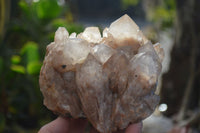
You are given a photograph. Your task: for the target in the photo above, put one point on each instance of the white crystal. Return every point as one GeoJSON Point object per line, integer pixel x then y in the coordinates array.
{"type": "Point", "coordinates": [105, 32]}
{"type": "Point", "coordinates": [93, 86]}
{"type": "Point", "coordinates": [91, 34]}
{"type": "Point", "coordinates": [159, 51]}
{"type": "Point", "coordinates": [76, 50]}
{"type": "Point", "coordinates": [73, 35]}
{"type": "Point", "coordinates": [102, 52]}
{"type": "Point", "coordinates": [148, 48]}
{"type": "Point", "coordinates": [126, 28]}
{"type": "Point", "coordinates": [146, 63]}
{"type": "Point", "coordinates": [128, 50]}
{"type": "Point", "coordinates": [61, 35]}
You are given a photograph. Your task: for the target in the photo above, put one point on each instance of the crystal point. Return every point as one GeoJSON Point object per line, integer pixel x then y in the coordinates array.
{"type": "Point", "coordinates": [124, 29]}
{"type": "Point", "coordinates": [61, 34]}
{"type": "Point", "coordinates": [103, 52]}
{"type": "Point", "coordinates": [91, 34]}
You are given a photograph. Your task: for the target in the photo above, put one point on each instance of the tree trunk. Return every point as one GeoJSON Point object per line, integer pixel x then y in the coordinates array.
{"type": "Point", "coordinates": [181, 85]}
{"type": "Point", "coordinates": [4, 15]}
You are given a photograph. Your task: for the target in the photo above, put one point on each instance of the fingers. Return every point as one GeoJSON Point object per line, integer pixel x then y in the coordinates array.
{"type": "Point", "coordinates": [61, 125]}
{"type": "Point", "coordinates": [134, 128]}
{"type": "Point", "coordinates": [77, 125]}
{"type": "Point", "coordinates": [178, 130]}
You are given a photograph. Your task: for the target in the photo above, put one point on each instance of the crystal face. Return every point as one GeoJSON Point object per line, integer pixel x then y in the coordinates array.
{"type": "Point", "coordinates": [109, 79]}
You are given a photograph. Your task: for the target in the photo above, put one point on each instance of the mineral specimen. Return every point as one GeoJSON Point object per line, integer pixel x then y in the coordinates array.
{"type": "Point", "coordinates": [109, 80]}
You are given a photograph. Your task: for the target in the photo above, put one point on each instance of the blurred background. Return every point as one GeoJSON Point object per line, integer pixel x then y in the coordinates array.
{"type": "Point", "coordinates": [28, 26]}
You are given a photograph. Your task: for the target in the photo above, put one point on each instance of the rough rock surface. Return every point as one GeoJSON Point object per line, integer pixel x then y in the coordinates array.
{"type": "Point", "coordinates": [110, 80]}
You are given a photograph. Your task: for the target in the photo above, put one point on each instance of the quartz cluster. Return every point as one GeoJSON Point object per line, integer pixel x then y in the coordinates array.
{"type": "Point", "coordinates": [109, 79]}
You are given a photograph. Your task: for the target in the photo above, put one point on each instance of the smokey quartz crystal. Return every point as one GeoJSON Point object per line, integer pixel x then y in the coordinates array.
{"type": "Point", "coordinates": [109, 79]}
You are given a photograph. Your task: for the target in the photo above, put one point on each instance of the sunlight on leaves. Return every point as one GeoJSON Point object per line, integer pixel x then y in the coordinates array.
{"type": "Point", "coordinates": [71, 27]}
{"type": "Point", "coordinates": [161, 13]}
{"type": "Point", "coordinates": [47, 9]}
{"type": "Point", "coordinates": [30, 50]}
{"type": "Point", "coordinates": [31, 53]}
{"type": "Point", "coordinates": [127, 3]}
{"type": "Point", "coordinates": [34, 67]}
{"type": "Point", "coordinates": [15, 59]}
{"type": "Point", "coordinates": [164, 14]}
{"type": "Point", "coordinates": [18, 68]}
{"type": "Point", "coordinates": [59, 23]}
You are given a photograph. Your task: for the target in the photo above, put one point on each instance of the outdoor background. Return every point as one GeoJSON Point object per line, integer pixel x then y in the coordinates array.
{"type": "Point", "coordinates": [28, 26]}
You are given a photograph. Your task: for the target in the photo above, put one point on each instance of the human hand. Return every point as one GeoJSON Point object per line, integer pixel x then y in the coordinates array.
{"type": "Point", "coordinates": [177, 129]}
{"type": "Point", "coordinates": [62, 125]}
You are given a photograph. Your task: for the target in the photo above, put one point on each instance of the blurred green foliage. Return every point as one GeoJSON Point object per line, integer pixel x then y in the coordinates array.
{"type": "Point", "coordinates": [161, 14]}
{"type": "Point", "coordinates": [22, 50]}
{"type": "Point", "coordinates": [164, 14]}
{"type": "Point", "coordinates": [47, 10]}
{"type": "Point", "coordinates": [127, 3]}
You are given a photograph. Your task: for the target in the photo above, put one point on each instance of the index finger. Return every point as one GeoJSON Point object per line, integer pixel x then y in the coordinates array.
{"type": "Point", "coordinates": [58, 125]}
{"type": "Point", "coordinates": [134, 128]}
{"type": "Point", "coordinates": [64, 125]}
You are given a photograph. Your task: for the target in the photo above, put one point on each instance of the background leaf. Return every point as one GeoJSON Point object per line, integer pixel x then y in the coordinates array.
{"type": "Point", "coordinates": [34, 67]}
{"type": "Point", "coordinates": [47, 9]}
{"type": "Point", "coordinates": [15, 59]}
{"type": "Point", "coordinates": [30, 51]}
{"type": "Point", "coordinates": [18, 69]}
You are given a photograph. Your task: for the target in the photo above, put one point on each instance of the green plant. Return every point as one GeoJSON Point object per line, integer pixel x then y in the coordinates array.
{"type": "Point", "coordinates": [163, 14]}
{"type": "Point", "coordinates": [21, 54]}
{"type": "Point", "coordinates": [127, 3]}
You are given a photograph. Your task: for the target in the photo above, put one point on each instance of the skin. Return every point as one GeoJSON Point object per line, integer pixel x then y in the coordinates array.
{"type": "Point", "coordinates": [178, 130]}
{"type": "Point", "coordinates": [67, 125]}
